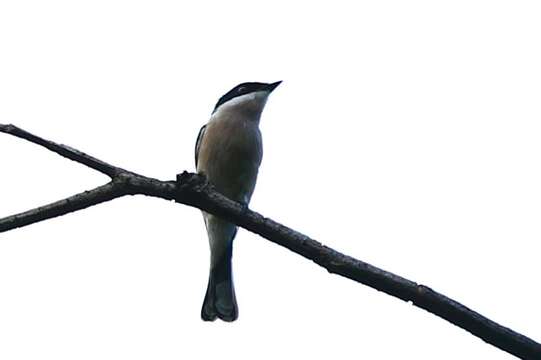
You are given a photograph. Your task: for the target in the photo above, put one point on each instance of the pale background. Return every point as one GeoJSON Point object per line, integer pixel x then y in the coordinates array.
{"type": "Point", "coordinates": [406, 134]}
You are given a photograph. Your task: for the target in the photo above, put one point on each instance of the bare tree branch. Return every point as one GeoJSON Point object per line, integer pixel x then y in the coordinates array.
{"type": "Point", "coordinates": [73, 203]}
{"type": "Point", "coordinates": [193, 190]}
{"type": "Point", "coordinates": [63, 150]}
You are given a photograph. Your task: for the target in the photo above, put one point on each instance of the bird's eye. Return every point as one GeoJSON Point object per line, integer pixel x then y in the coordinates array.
{"type": "Point", "coordinates": [241, 89]}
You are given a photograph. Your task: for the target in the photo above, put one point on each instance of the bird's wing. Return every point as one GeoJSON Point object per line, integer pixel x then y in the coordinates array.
{"type": "Point", "coordinates": [198, 142]}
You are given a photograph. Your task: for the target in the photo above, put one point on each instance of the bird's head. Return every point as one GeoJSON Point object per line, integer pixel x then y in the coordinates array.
{"type": "Point", "coordinates": [246, 97]}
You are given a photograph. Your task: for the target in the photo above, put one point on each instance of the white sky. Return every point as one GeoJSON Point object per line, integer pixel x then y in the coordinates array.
{"type": "Point", "coordinates": [405, 134]}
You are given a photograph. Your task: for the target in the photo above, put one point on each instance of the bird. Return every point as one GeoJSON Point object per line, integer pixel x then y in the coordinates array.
{"type": "Point", "coordinates": [228, 153]}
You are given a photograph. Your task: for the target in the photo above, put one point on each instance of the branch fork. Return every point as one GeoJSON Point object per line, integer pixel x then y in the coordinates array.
{"type": "Point", "coordinates": [194, 190]}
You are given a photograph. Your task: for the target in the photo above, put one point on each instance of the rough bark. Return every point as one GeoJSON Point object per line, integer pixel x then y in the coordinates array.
{"type": "Point", "coordinates": [193, 190]}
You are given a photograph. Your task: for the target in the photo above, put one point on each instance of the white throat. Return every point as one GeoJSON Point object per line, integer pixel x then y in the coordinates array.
{"type": "Point", "coordinates": [250, 105]}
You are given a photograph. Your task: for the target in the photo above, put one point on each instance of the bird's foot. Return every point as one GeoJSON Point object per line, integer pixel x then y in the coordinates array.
{"type": "Point", "coordinates": [243, 207]}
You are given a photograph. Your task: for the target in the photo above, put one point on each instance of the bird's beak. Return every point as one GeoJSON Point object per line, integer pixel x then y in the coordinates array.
{"type": "Point", "coordinates": [273, 86]}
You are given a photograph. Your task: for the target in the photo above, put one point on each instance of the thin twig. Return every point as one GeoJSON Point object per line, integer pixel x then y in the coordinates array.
{"type": "Point", "coordinates": [193, 190]}
{"type": "Point", "coordinates": [63, 150]}
{"type": "Point", "coordinates": [76, 202]}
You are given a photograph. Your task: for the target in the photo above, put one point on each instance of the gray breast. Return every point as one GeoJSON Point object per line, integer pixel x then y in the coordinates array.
{"type": "Point", "coordinates": [234, 151]}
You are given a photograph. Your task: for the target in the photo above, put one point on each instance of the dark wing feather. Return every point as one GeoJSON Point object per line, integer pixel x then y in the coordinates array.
{"type": "Point", "coordinates": [198, 142]}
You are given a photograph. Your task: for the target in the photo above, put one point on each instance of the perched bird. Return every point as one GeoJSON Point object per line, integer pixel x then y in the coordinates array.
{"type": "Point", "coordinates": [228, 152]}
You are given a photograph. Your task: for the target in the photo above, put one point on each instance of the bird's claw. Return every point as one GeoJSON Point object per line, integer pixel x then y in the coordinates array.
{"type": "Point", "coordinates": [243, 207]}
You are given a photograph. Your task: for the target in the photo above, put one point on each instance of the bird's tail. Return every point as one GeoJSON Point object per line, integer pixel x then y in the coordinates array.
{"type": "Point", "coordinates": [220, 300]}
